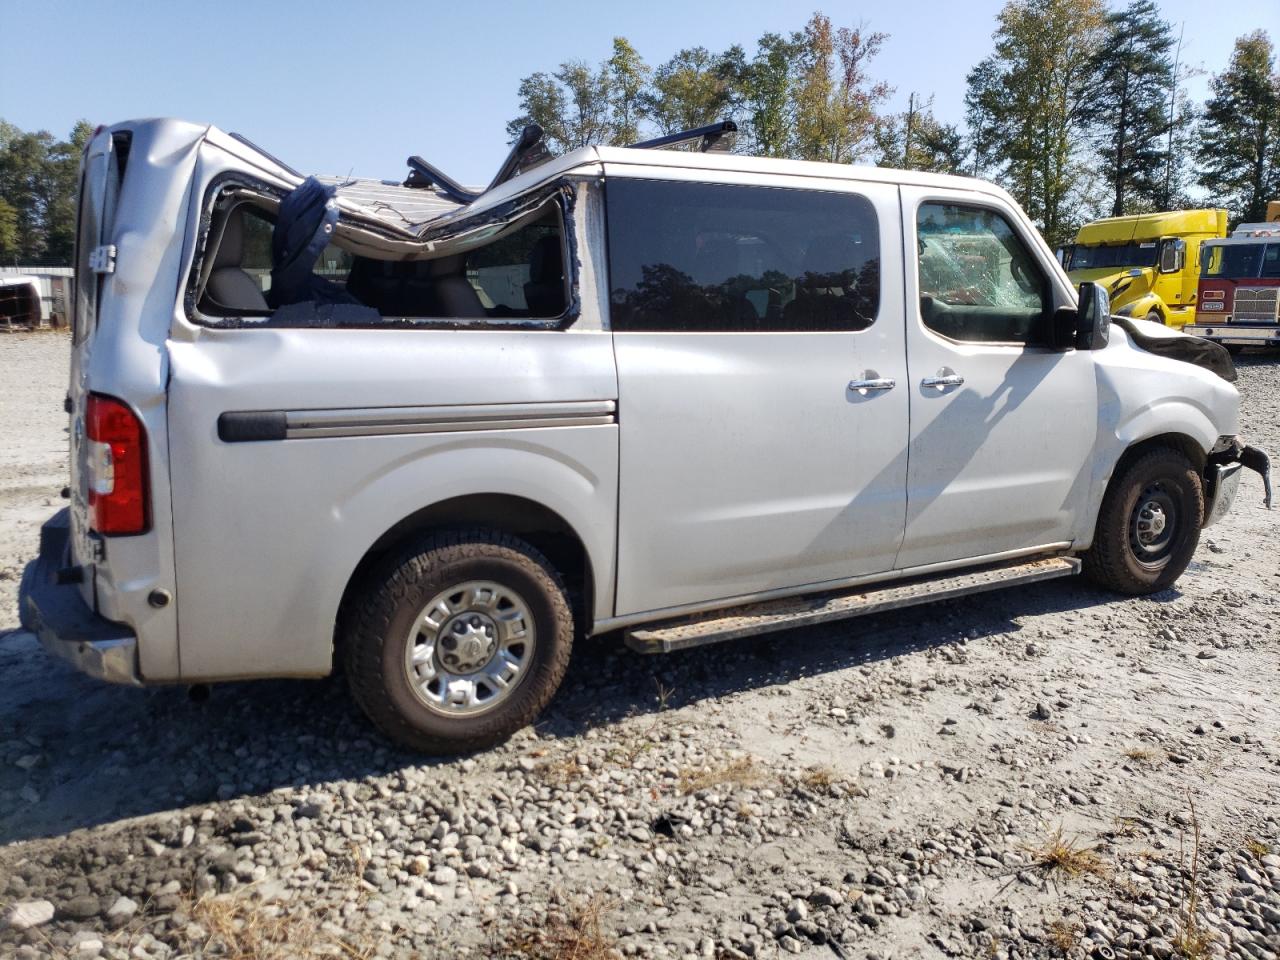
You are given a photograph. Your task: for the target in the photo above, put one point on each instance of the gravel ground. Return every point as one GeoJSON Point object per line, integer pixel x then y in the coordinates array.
{"type": "Point", "coordinates": [1041, 772]}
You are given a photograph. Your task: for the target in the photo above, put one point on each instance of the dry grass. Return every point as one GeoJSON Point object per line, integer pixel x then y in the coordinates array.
{"type": "Point", "coordinates": [575, 933]}
{"type": "Point", "coordinates": [664, 694]}
{"type": "Point", "coordinates": [239, 928]}
{"type": "Point", "coordinates": [1146, 755]}
{"type": "Point", "coordinates": [1060, 854]}
{"type": "Point", "coordinates": [1192, 939]}
{"type": "Point", "coordinates": [1063, 934]}
{"type": "Point", "coordinates": [820, 778]}
{"type": "Point", "coordinates": [1257, 849]}
{"type": "Point", "coordinates": [560, 772]}
{"type": "Point", "coordinates": [744, 772]}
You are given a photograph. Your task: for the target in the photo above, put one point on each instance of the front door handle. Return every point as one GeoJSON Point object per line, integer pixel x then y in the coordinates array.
{"type": "Point", "coordinates": [941, 383]}
{"type": "Point", "coordinates": [874, 385]}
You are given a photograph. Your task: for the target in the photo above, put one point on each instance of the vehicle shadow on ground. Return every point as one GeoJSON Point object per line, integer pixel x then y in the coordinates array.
{"type": "Point", "coordinates": [77, 753]}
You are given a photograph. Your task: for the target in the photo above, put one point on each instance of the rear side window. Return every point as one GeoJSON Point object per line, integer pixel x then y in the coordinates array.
{"type": "Point", "coordinates": [698, 257]}
{"type": "Point", "coordinates": [978, 280]}
{"type": "Point", "coordinates": [517, 275]}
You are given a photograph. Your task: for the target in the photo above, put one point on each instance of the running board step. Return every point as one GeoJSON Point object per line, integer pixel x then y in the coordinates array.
{"type": "Point", "coordinates": [791, 612]}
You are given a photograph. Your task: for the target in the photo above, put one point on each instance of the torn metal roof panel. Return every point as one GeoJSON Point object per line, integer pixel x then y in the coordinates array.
{"type": "Point", "coordinates": [401, 207]}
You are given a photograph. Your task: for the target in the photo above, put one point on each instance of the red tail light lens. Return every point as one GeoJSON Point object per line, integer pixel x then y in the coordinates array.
{"type": "Point", "coordinates": [117, 468]}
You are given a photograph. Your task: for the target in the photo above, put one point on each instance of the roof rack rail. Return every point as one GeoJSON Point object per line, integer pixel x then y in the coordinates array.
{"type": "Point", "coordinates": [528, 151]}
{"type": "Point", "coordinates": [423, 174]}
{"type": "Point", "coordinates": [714, 136]}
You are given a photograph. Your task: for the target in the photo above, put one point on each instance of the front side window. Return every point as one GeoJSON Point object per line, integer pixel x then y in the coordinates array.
{"type": "Point", "coordinates": [1271, 261]}
{"type": "Point", "coordinates": [698, 257]}
{"type": "Point", "coordinates": [978, 281]}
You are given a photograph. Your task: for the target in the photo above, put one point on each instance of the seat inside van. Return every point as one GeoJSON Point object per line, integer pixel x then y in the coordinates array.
{"type": "Point", "coordinates": [230, 287]}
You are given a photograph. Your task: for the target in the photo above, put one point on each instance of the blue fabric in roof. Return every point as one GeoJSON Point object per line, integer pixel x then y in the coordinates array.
{"type": "Point", "coordinates": [304, 227]}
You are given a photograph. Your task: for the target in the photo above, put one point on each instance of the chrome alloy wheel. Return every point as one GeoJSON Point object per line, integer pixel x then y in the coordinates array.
{"type": "Point", "coordinates": [469, 648]}
{"type": "Point", "coordinates": [1153, 525]}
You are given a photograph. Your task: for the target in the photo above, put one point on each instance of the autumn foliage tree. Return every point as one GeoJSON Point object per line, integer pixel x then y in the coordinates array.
{"type": "Point", "coordinates": [806, 95]}
{"type": "Point", "coordinates": [1032, 97]}
{"type": "Point", "coordinates": [1239, 147]}
{"type": "Point", "coordinates": [836, 101]}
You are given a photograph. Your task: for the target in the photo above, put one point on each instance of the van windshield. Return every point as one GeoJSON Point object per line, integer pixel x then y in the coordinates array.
{"type": "Point", "coordinates": [1140, 254]}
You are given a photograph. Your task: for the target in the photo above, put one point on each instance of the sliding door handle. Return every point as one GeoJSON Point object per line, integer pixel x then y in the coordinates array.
{"type": "Point", "coordinates": [875, 385]}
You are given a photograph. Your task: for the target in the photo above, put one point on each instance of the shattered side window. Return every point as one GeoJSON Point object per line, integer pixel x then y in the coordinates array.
{"type": "Point", "coordinates": [271, 274]}
{"type": "Point", "coordinates": [978, 281]}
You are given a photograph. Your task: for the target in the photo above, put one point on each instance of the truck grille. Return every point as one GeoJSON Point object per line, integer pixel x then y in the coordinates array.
{"type": "Point", "coordinates": [1256, 304]}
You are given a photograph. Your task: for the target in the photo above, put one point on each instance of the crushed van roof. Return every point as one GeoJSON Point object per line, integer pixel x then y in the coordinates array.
{"type": "Point", "coordinates": [400, 207]}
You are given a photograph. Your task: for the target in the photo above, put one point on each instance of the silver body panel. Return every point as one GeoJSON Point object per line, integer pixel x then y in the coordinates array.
{"type": "Point", "coordinates": [813, 484]}
{"type": "Point", "coordinates": [281, 526]}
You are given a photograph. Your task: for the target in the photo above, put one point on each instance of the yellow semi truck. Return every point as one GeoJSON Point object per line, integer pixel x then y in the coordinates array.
{"type": "Point", "coordinates": [1149, 262]}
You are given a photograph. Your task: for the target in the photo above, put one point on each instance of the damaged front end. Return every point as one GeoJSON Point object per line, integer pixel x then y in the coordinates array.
{"type": "Point", "coordinates": [1222, 476]}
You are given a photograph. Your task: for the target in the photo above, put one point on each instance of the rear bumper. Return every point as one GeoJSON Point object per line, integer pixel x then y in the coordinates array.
{"type": "Point", "coordinates": [57, 614]}
{"type": "Point", "coordinates": [1248, 336]}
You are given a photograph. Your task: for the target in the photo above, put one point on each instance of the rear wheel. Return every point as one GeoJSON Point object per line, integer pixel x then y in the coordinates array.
{"type": "Point", "coordinates": [1149, 524]}
{"type": "Point", "coordinates": [458, 641]}
{"type": "Point", "coordinates": [1154, 317]}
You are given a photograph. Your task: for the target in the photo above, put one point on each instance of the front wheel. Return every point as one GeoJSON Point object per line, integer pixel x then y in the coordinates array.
{"type": "Point", "coordinates": [458, 640]}
{"type": "Point", "coordinates": [1149, 524]}
{"type": "Point", "coordinates": [1154, 317]}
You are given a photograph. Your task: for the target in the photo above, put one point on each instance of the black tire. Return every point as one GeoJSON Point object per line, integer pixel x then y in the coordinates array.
{"type": "Point", "coordinates": [1154, 317]}
{"type": "Point", "coordinates": [1128, 554]}
{"type": "Point", "coordinates": [377, 635]}
{"type": "Point", "coordinates": [1235, 349]}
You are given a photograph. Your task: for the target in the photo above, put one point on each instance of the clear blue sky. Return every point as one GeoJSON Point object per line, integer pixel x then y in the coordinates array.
{"type": "Point", "coordinates": [336, 87]}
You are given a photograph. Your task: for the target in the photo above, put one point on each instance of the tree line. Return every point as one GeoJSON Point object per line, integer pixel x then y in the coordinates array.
{"type": "Point", "coordinates": [1079, 112]}
{"type": "Point", "coordinates": [38, 182]}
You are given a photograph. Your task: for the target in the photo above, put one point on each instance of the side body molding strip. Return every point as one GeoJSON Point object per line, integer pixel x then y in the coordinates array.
{"type": "Point", "coordinates": [258, 425]}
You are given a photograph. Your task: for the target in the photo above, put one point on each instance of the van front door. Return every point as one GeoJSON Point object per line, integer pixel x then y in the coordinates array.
{"type": "Point", "coordinates": [758, 331]}
{"type": "Point", "coordinates": [1002, 426]}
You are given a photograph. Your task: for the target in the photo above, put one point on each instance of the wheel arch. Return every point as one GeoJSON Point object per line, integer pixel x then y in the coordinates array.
{"type": "Point", "coordinates": [1184, 443]}
{"type": "Point", "coordinates": [1145, 305]}
{"type": "Point", "coordinates": [540, 526]}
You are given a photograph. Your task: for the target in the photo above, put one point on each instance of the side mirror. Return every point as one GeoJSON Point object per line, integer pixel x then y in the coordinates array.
{"type": "Point", "coordinates": [1093, 317]}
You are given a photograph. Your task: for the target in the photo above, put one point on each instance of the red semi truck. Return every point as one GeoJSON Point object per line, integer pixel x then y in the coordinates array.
{"type": "Point", "coordinates": [1239, 290]}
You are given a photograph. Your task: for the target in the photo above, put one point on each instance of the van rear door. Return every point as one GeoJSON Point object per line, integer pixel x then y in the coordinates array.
{"type": "Point", "coordinates": [99, 188]}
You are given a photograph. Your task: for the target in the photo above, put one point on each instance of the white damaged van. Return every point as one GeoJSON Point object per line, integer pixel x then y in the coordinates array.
{"type": "Point", "coordinates": [440, 434]}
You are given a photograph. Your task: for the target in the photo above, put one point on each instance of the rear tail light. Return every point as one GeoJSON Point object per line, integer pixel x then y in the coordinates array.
{"type": "Point", "coordinates": [117, 468]}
